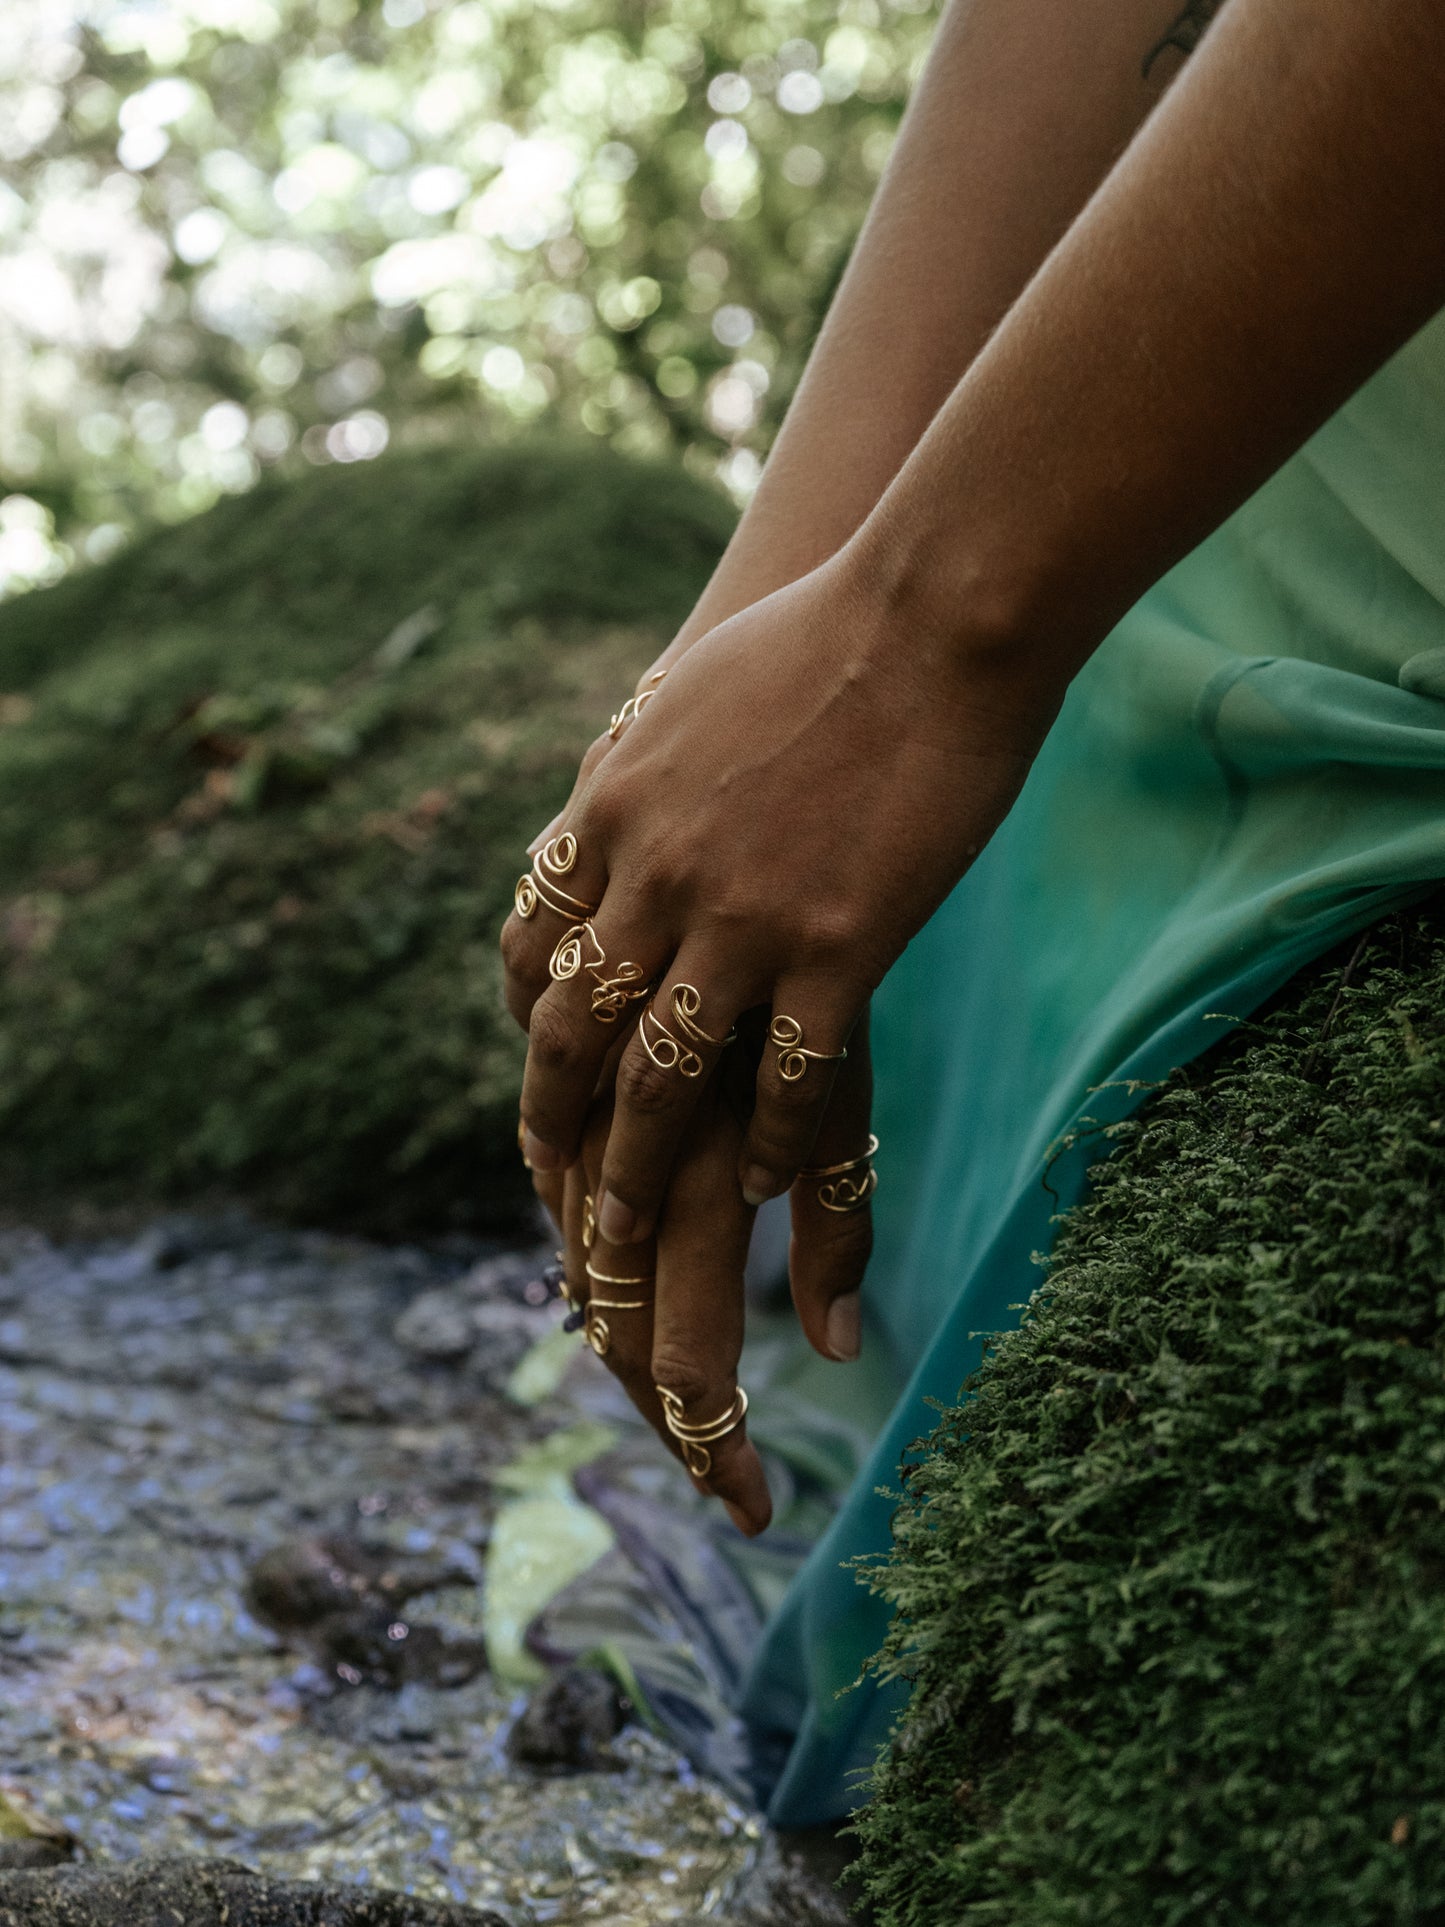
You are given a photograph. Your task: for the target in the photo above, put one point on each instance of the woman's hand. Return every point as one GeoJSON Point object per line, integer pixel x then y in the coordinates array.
{"type": "Point", "coordinates": [678, 1320]}
{"type": "Point", "coordinates": [801, 793]}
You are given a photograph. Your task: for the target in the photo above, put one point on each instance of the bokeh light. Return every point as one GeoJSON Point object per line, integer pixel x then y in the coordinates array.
{"type": "Point", "coordinates": [242, 233]}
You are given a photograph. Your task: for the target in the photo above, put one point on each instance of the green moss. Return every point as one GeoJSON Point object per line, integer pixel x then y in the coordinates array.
{"type": "Point", "coordinates": [265, 786]}
{"type": "Point", "coordinates": [1171, 1586]}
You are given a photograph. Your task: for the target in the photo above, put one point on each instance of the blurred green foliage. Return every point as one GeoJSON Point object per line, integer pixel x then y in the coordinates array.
{"type": "Point", "coordinates": [247, 233]}
{"type": "Point", "coordinates": [266, 782]}
{"type": "Point", "coordinates": [1169, 1584]}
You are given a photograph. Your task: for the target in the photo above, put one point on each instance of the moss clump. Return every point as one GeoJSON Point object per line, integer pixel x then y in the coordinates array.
{"type": "Point", "coordinates": [1171, 1587]}
{"type": "Point", "coordinates": [265, 786]}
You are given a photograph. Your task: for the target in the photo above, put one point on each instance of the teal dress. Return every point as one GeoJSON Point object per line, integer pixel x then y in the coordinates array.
{"type": "Point", "coordinates": [1251, 767]}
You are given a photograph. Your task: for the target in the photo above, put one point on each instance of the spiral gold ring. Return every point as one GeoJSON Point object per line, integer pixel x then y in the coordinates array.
{"type": "Point", "coordinates": [695, 1439]}
{"type": "Point", "coordinates": [669, 1052]}
{"type": "Point", "coordinates": [786, 1034]}
{"type": "Point", "coordinates": [596, 1328]}
{"type": "Point", "coordinates": [589, 1222]}
{"type": "Point", "coordinates": [556, 858]}
{"type": "Point", "coordinates": [578, 950]}
{"type": "Point", "coordinates": [634, 706]}
{"type": "Point", "coordinates": [839, 1190]}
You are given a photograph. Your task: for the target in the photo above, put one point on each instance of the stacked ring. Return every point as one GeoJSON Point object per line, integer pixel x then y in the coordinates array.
{"type": "Point", "coordinates": [786, 1035]}
{"type": "Point", "coordinates": [672, 1053]}
{"type": "Point", "coordinates": [634, 706]}
{"type": "Point", "coordinates": [610, 995]}
{"type": "Point", "coordinates": [839, 1190]}
{"type": "Point", "coordinates": [695, 1439]}
{"type": "Point", "coordinates": [589, 1222]}
{"type": "Point", "coordinates": [598, 1331]}
{"type": "Point", "coordinates": [555, 859]}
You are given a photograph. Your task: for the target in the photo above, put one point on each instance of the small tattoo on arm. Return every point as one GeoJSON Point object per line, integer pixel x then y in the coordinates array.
{"type": "Point", "coordinates": [1186, 32]}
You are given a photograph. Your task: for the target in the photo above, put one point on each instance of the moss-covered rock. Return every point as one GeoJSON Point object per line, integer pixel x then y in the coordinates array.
{"type": "Point", "coordinates": [1171, 1586]}
{"type": "Point", "coordinates": [265, 785]}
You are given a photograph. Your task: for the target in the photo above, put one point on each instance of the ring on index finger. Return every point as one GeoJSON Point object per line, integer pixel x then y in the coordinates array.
{"type": "Point", "coordinates": [670, 1052]}
{"type": "Point", "coordinates": [785, 1034]}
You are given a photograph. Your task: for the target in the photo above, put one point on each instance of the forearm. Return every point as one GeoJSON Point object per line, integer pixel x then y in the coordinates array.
{"type": "Point", "coordinates": [1269, 239]}
{"type": "Point", "coordinates": [1023, 108]}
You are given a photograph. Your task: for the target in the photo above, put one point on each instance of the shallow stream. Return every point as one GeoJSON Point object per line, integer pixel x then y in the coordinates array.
{"type": "Point", "coordinates": [177, 1405]}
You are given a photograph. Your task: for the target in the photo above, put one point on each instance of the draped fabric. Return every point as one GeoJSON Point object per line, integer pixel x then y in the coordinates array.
{"type": "Point", "coordinates": [1251, 767]}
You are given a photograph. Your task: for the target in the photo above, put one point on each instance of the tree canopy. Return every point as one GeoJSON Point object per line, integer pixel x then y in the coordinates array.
{"type": "Point", "coordinates": [241, 234]}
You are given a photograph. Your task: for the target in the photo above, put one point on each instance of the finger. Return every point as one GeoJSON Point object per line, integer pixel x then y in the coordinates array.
{"type": "Point", "coordinates": [807, 1042]}
{"type": "Point", "coordinates": [698, 1323]}
{"type": "Point", "coordinates": [601, 971]}
{"type": "Point", "coordinates": [618, 1283]}
{"type": "Point", "coordinates": [660, 1077]}
{"type": "Point", "coordinates": [832, 1212]}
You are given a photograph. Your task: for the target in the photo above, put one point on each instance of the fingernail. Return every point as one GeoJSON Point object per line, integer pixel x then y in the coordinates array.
{"type": "Point", "coordinates": [759, 1185]}
{"type": "Point", "coordinates": [540, 1156]}
{"type": "Point", "coordinates": [615, 1220]}
{"type": "Point", "coordinates": [844, 1329]}
{"type": "Point", "coordinates": [740, 1519]}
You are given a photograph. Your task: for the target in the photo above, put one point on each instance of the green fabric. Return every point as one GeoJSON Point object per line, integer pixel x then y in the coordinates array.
{"type": "Point", "coordinates": [1251, 766]}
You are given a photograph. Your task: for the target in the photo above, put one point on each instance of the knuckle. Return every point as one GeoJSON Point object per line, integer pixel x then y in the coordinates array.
{"type": "Point", "coordinates": [552, 1041]}
{"type": "Point", "coordinates": [642, 1087]}
{"type": "Point", "coordinates": [519, 950]}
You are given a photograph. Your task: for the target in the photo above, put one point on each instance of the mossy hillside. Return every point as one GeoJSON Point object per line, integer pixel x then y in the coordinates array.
{"type": "Point", "coordinates": [1171, 1585]}
{"type": "Point", "coordinates": [265, 786]}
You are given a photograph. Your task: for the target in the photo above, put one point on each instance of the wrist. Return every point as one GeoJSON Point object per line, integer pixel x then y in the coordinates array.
{"type": "Point", "coordinates": [980, 615]}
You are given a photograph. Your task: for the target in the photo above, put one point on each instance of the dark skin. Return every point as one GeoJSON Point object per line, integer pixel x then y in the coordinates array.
{"type": "Point", "coordinates": [778, 848]}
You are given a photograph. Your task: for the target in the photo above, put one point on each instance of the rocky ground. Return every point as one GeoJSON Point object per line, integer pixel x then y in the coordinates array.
{"type": "Point", "coordinates": [248, 1480]}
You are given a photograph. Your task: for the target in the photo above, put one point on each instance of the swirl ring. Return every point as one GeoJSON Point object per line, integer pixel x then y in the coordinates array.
{"type": "Point", "coordinates": [610, 995]}
{"type": "Point", "coordinates": [786, 1035]}
{"type": "Point", "coordinates": [695, 1439]}
{"type": "Point", "coordinates": [838, 1189]}
{"type": "Point", "coordinates": [665, 1050]}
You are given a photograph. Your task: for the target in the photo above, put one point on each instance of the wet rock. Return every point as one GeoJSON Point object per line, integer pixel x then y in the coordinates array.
{"type": "Point", "coordinates": [377, 1649]}
{"type": "Point", "coordinates": [29, 1838]}
{"type": "Point", "coordinates": [437, 1327]}
{"type": "Point", "coordinates": [305, 1581]}
{"type": "Point", "coordinates": [343, 1601]}
{"type": "Point", "coordinates": [489, 1315]}
{"type": "Point", "coordinates": [569, 1722]}
{"type": "Point", "coordinates": [210, 1893]}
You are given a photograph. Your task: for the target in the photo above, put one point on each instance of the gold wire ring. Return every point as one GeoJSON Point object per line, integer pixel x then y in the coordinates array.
{"type": "Point", "coordinates": [695, 1439]}
{"type": "Point", "coordinates": [607, 1278]}
{"type": "Point", "coordinates": [668, 1053]}
{"type": "Point", "coordinates": [522, 1143]}
{"type": "Point", "coordinates": [610, 995]}
{"type": "Point", "coordinates": [559, 854]}
{"type": "Point", "coordinates": [634, 706]}
{"type": "Point", "coordinates": [686, 1001]}
{"type": "Point", "coordinates": [533, 889]}
{"type": "Point", "coordinates": [589, 1222]}
{"type": "Point", "coordinates": [595, 1328]}
{"type": "Point", "coordinates": [556, 858]}
{"type": "Point", "coordinates": [786, 1033]}
{"type": "Point", "coordinates": [840, 1191]}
